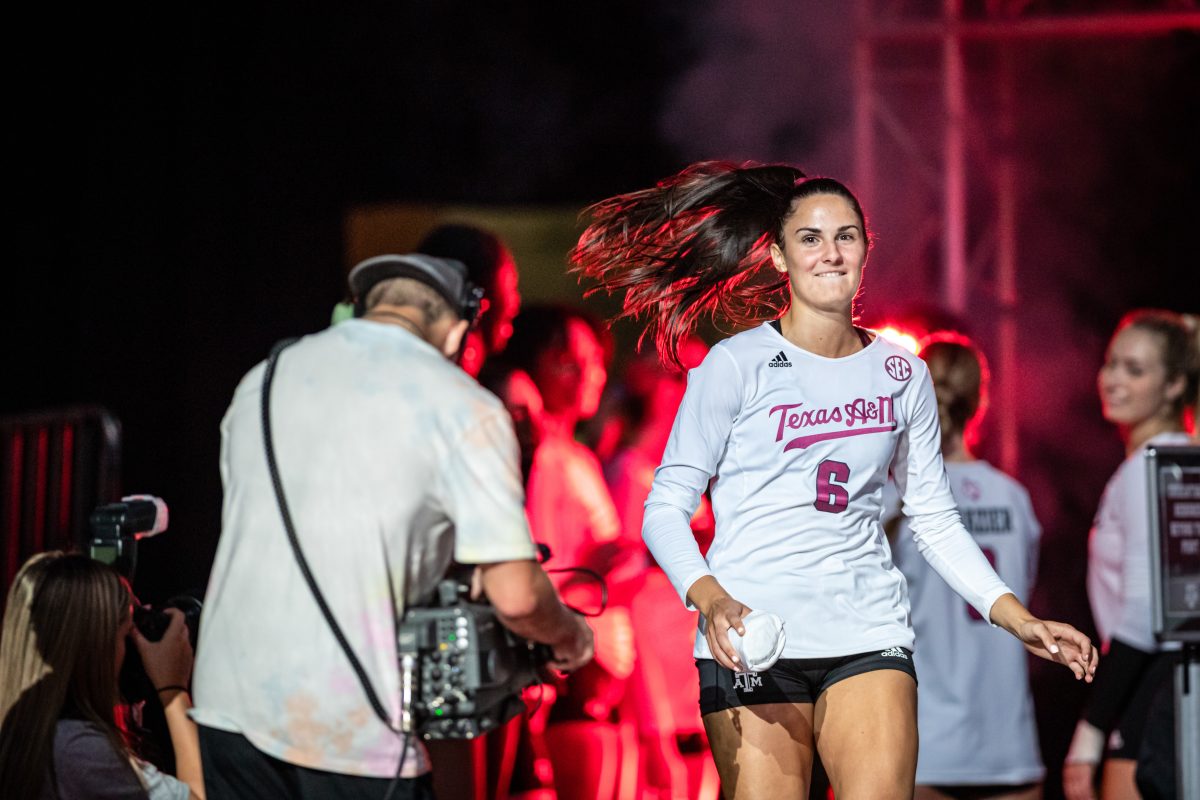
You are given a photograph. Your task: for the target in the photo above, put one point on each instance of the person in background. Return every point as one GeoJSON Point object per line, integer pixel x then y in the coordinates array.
{"type": "Point", "coordinates": [644, 408]}
{"type": "Point", "coordinates": [675, 758]}
{"type": "Point", "coordinates": [395, 463]}
{"type": "Point", "coordinates": [565, 352]}
{"type": "Point", "coordinates": [793, 424]}
{"type": "Point", "coordinates": [974, 705]}
{"type": "Point", "coordinates": [1156, 771]}
{"type": "Point", "coordinates": [1146, 384]}
{"type": "Point", "coordinates": [66, 623]}
{"type": "Point", "coordinates": [491, 266]}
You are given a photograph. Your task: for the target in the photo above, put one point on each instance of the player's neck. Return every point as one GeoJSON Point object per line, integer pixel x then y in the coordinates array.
{"type": "Point", "coordinates": [559, 424]}
{"type": "Point", "coordinates": [821, 333]}
{"type": "Point", "coordinates": [955, 450]}
{"type": "Point", "coordinates": [1135, 436]}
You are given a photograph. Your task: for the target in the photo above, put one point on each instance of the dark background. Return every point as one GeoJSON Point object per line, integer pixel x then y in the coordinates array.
{"type": "Point", "coordinates": [182, 184]}
{"type": "Point", "coordinates": [182, 176]}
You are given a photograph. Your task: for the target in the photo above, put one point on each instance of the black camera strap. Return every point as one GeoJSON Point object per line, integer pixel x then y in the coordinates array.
{"type": "Point", "coordinates": [291, 532]}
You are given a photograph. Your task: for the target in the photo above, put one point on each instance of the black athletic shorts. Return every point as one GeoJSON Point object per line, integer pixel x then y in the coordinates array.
{"type": "Point", "coordinates": [790, 680]}
{"type": "Point", "coordinates": [1125, 741]}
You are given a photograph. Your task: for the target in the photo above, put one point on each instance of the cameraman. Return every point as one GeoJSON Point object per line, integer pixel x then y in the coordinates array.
{"type": "Point", "coordinates": [393, 462]}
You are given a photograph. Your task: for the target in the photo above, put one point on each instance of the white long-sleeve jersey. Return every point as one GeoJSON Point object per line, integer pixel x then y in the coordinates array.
{"type": "Point", "coordinates": [1118, 580]}
{"type": "Point", "coordinates": [974, 707]}
{"type": "Point", "coordinates": [800, 447]}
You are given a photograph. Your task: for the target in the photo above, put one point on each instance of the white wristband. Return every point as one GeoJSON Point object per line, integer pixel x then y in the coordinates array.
{"type": "Point", "coordinates": [1087, 745]}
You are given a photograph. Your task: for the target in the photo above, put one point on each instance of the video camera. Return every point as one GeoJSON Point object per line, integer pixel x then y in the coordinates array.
{"type": "Point", "coordinates": [461, 671]}
{"type": "Point", "coordinates": [116, 529]}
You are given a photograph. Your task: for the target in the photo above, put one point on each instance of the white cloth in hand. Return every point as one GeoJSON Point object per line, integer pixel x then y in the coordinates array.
{"type": "Point", "coordinates": [763, 642]}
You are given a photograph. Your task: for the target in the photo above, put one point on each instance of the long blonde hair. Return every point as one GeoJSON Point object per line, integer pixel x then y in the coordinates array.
{"type": "Point", "coordinates": [57, 660]}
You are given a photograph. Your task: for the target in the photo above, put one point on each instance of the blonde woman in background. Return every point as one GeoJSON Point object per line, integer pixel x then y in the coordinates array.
{"type": "Point", "coordinates": [1146, 384]}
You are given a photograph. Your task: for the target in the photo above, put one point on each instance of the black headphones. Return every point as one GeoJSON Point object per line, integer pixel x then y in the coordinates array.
{"type": "Point", "coordinates": [445, 275]}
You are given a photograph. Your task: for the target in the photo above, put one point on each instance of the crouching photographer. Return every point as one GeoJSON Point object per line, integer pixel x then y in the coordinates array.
{"type": "Point", "coordinates": [359, 463]}
{"type": "Point", "coordinates": [63, 641]}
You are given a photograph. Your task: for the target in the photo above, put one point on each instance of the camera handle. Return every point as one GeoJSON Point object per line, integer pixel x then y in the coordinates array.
{"type": "Point", "coordinates": [302, 562]}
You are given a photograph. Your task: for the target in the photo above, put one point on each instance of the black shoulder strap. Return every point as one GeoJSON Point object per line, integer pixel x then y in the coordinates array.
{"type": "Point", "coordinates": [291, 532]}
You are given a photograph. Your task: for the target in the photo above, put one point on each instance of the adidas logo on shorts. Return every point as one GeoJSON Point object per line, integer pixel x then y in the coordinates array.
{"type": "Point", "coordinates": [894, 652]}
{"type": "Point", "coordinates": [780, 360]}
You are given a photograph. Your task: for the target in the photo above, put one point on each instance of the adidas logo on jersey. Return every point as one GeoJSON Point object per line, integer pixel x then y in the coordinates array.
{"type": "Point", "coordinates": [780, 360]}
{"type": "Point", "coordinates": [894, 652]}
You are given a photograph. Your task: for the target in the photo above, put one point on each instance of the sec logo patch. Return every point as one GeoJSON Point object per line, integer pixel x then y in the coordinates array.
{"type": "Point", "coordinates": [898, 368]}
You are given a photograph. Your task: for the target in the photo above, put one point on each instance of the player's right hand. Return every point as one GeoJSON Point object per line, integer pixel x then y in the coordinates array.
{"type": "Point", "coordinates": [724, 613]}
{"type": "Point", "coordinates": [575, 651]}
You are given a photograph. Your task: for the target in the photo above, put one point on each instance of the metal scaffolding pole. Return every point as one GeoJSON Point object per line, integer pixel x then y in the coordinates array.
{"type": "Point", "coordinates": [1006, 269]}
{"type": "Point", "coordinates": [884, 24]}
{"type": "Point", "coordinates": [954, 164]}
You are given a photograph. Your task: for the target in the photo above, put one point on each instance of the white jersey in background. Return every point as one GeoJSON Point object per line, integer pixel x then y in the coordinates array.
{"type": "Point", "coordinates": [974, 707]}
{"type": "Point", "coordinates": [1118, 580]}
{"type": "Point", "coordinates": [800, 446]}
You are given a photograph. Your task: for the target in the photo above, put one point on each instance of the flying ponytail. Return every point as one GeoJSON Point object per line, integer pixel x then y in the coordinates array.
{"type": "Point", "coordinates": [694, 246]}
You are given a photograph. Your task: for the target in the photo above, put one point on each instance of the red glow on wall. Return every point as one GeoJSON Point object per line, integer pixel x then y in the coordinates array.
{"type": "Point", "coordinates": [67, 452]}
{"type": "Point", "coordinates": [39, 471]}
{"type": "Point", "coordinates": [13, 529]}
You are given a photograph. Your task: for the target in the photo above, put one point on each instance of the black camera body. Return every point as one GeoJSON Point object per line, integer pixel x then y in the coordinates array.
{"type": "Point", "coordinates": [116, 529]}
{"type": "Point", "coordinates": [462, 672]}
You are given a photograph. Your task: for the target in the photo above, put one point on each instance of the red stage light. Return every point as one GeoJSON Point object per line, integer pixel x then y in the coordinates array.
{"type": "Point", "coordinates": [899, 336]}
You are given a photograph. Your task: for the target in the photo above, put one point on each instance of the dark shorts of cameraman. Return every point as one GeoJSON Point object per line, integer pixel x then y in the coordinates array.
{"type": "Point", "coordinates": [234, 768]}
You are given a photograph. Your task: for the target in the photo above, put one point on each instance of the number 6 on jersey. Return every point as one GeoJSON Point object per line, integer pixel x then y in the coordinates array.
{"type": "Point", "coordinates": [831, 494]}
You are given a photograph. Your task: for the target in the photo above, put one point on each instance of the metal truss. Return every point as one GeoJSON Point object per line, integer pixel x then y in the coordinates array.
{"type": "Point", "coordinates": [934, 141]}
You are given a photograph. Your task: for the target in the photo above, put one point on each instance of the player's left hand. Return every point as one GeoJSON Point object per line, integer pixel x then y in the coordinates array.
{"type": "Point", "coordinates": [1061, 643]}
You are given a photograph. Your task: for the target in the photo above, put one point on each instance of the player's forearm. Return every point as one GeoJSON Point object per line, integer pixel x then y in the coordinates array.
{"type": "Point", "coordinates": [703, 592]}
{"type": "Point", "coordinates": [943, 541]}
{"type": "Point", "coordinates": [1009, 613]}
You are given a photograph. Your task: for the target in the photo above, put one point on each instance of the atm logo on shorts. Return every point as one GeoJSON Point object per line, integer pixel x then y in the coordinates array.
{"type": "Point", "coordinates": [746, 681]}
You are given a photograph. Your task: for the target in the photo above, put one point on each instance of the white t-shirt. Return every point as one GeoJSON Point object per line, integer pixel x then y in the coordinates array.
{"type": "Point", "coordinates": [1118, 580]}
{"type": "Point", "coordinates": [393, 461]}
{"type": "Point", "coordinates": [800, 447]}
{"type": "Point", "coordinates": [974, 709]}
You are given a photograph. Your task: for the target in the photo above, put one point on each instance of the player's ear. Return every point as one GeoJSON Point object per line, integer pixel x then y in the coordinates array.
{"type": "Point", "coordinates": [777, 259]}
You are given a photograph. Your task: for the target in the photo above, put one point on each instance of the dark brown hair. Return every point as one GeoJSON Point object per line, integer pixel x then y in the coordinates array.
{"type": "Point", "coordinates": [960, 384]}
{"type": "Point", "coordinates": [57, 660]}
{"type": "Point", "coordinates": [697, 245]}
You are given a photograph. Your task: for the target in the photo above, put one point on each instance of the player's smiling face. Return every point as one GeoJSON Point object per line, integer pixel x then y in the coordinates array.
{"type": "Point", "coordinates": [823, 251]}
{"type": "Point", "coordinates": [1133, 382]}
